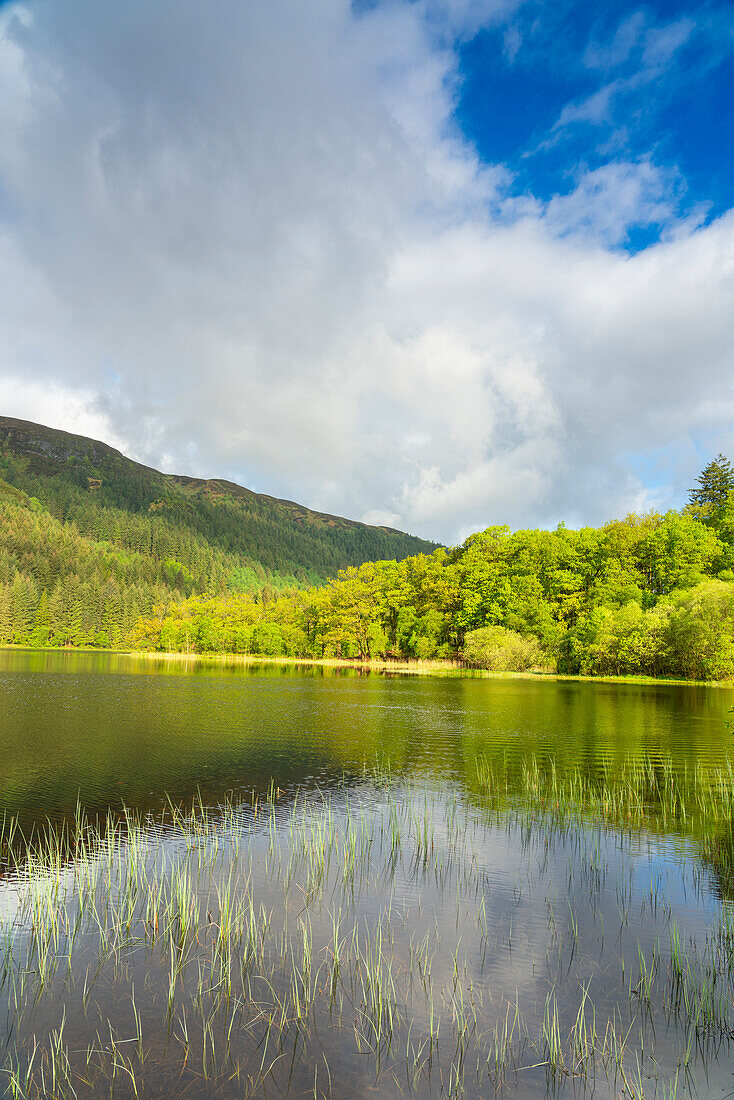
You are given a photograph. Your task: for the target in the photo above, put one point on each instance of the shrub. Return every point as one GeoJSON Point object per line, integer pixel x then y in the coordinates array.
{"type": "Point", "coordinates": [501, 650]}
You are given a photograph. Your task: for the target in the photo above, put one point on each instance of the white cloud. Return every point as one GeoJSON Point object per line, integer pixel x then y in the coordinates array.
{"type": "Point", "coordinates": [248, 240]}
{"type": "Point", "coordinates": [664, 42]}
{"type": "Point", "coordinates": [512, 41]}
{"type": "Point", "coordinates": [657, 43]}
{"type": "Point", "coordinates": [606, 202]}
{"type": "Point", "coordinates": [71, 410]}
{"type": "Point", "coordinates": [380, 518]}
{"type": "Point", "coordinates": [595, 108]}
{"type": "Point", "coordinates": [639, 54]}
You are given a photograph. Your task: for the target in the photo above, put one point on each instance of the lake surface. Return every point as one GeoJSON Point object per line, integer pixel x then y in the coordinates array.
{"type": "Point", "coordinates": [258, 880]}
{"type": "Point", "coordinates": [110, 729]}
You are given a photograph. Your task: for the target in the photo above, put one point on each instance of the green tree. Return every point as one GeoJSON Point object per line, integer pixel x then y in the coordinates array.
{"type": "Point", "coordinates": [42, 623]}
{"type": "Point", "coordinates": [701, 632]}
{"type": "Point", "coordinates": [710, 496]}
{"type": "Point", "coordinates": [493, 647]}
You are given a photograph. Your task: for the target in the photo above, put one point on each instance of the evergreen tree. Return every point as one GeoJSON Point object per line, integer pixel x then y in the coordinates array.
{"type": "Point", "coordinates": [42, 624]}
{"type": "Point", "coordinates": [711, 494]}
{"type": "Point", "coordinates": [6, 614]}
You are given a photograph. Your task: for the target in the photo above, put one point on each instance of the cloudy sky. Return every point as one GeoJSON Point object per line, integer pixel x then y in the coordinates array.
{"type": "Point", "coordinates": [437, 263]}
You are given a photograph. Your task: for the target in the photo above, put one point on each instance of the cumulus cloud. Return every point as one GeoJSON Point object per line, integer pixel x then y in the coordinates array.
{"type": "Point", "coordinates": [249, 240]}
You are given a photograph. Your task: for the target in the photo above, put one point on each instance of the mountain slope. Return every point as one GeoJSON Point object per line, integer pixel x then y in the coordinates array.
{"type": "Point", "coordinates": [69, 471]}
{"type": "Point", "coordinates": [90, 540]}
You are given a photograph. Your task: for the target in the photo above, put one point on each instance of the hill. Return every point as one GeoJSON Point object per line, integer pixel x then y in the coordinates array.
{"type": "Point", "coordinates": [90, 539]}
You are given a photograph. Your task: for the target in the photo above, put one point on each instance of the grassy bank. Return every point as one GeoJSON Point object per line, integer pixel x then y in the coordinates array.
{"type": "Point", "coordinates": [406, 666]}
{"type": "Point", "coordinates": [414, 667]}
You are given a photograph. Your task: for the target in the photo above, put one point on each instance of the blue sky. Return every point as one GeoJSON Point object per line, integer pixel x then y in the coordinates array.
{"type": "Point", "coordinates": [434, 263]}
{"type": "Point", "coordinates": [562, 88]}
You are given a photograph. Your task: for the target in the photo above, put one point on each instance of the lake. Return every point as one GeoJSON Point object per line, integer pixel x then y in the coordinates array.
{"type": "Point", "coordinates": [262, 880]}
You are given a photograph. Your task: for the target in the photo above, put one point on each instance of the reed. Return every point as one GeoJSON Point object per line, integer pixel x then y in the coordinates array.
{"type": "Point", "coordinates": [243, 946]}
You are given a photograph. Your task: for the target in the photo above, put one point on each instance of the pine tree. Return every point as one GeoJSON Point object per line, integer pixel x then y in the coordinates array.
{"type": "Point", "coordinates": [714, 483]}
{"type": "Point", "coordinates": [6, 614]}
{"type": "Point", "coordinates": [42, 623]}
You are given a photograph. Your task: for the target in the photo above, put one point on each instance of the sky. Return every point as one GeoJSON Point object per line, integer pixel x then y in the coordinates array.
{"type": "Point", "coordinates": [439, 264]}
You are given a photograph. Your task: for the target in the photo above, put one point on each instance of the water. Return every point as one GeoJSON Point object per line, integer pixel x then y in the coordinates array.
{"type": "Point", "coordinates": [401, 886]}
{"type": "Point", "coordinates": [110, 729]}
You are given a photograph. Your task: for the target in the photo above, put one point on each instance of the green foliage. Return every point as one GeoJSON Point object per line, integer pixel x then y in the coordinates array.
{"type": "Point", "coordinates": [95, 550]}
{"type": "Point", "coordinates": [501, 650]}
{"type": "Point", "coordinates": [700, 633]}
{"type": "Point", "coordinates": [61, 587]}
{"type": "Point", "coordinates": [639, 596]}
{"type": "Point", "coordinates": [710, 496]}
{"type": "Point", "coordinates": [645, 595]}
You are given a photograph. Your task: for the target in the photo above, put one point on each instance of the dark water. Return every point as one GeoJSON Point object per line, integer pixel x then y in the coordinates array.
{"type": "Point", "coordinates": [390, 886]}
{"type": "Point", "coordinates": [107, 729]}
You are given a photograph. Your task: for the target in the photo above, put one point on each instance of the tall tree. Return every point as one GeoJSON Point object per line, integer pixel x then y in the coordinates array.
{"type": "Point", "coordinates": [711, 494]}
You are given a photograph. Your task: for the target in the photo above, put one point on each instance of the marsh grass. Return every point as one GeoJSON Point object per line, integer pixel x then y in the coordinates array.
{"type": "Point", "coordinates": [643, 793]}
{"type": "Point", "coordinates": [363, 939]}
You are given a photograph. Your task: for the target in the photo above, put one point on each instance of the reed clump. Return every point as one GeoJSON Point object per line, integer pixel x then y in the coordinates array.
{"type": "Point", "coordinates": [645, 792]}
{"type": "Point", "coordinates": [289, 944]}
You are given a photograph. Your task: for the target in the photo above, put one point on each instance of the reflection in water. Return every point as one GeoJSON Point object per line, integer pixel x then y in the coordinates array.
{"type": "Point", "coordinates": [389, 939]}
{"type": "Point", "coordinates": [109, 729]}
{"type": "Point", "coordinates": [414, 886]}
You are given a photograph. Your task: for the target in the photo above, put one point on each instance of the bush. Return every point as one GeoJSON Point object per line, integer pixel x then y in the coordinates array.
{"type": "Point", "coordinates": [501, 650]}
{"type": "Point", "coordinates": [701, 632]}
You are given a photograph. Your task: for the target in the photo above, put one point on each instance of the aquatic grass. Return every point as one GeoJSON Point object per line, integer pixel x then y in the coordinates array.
{"type": "Point", "coordinates": [639, 792]}
{"type": "Point", "coordinates": [584, 1038]}
{"type": "Point", "coordinates": [251, 938]}
{"type": "Point", "coordinates": [553, 1047]}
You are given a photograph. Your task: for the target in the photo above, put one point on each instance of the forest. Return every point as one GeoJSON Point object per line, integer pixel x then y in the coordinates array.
{"type": "Point", "coordinates": [94, 488]}
{"type": "Point", "coordinates": [91, 541]}
{"type": "Point", "coordinates": [647, 595]}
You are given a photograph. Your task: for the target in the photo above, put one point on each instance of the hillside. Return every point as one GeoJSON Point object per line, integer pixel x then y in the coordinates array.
{"type": "Point", "coordinates": [90, 540]}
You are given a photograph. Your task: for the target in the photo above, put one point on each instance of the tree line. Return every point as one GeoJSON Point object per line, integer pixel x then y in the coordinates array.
{"type": "Point", "coordinates": [87, 581]}
{"type": "Point", "coordinates": [648, 595]}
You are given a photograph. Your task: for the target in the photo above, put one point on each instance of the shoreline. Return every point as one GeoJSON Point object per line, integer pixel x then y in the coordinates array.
{"type": "Point", "coordinates": [404, 667]}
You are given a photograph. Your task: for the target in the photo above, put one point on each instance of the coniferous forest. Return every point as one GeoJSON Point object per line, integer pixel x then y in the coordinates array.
{"type": "Point", "coordinates": [91, 541]}
{"type": "Point", "coordinates": [96, 550]}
